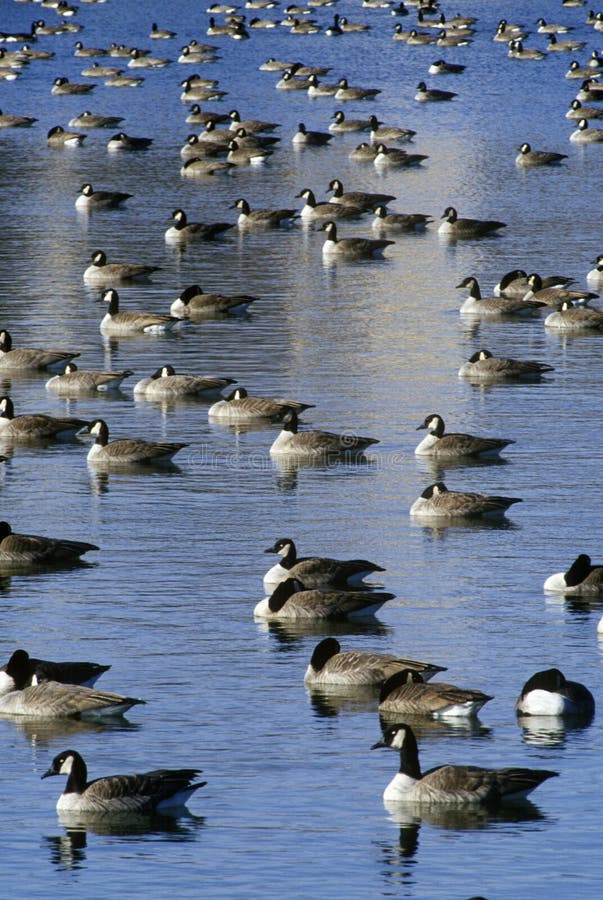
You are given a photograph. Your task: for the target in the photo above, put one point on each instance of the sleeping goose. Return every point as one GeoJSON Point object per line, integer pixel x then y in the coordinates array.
{"type": "Point", "coordinates": [585, 134]}
{"type": "Point", "coordinates": [182, 230]}
{"type": "Point", "coordinates": [88, 199]}
{"type": "Point", "coordinates": [88, 119]}
{"type": "Point", "coordinates": [103, 274]}
{"type": "Point", "coordinates": [127, 451]}
{"type": "Point", "coordinates": [262, 218]}
{"type": "Point", "coordinates": [353, 247]}
{"type": "Point", "coordinates": [515, 283]}
{"type": "Point", "coordinates": [574, 318]}
{"type": "Point", "coordinates": [484, 365]}
{"type": "Point", "coordinates": [316, 571]}
{"type": "Point", "coordinates": [454, 227]}
{"type": "Point", "coordinates": [62, 85]}
{"type": "Point", "coordinates": [34, 550]}
{"type": "Point", "coordinates": [127, 143]}
{"type": "Point", "coordinates": [160, 791]}
{"type": "Point", "coordinates": [353, 668]}
{"type": "Point", "coordinates": [455, 445]}
{"type": "Point", "coordinates": [476, 305]}
{"type": "Point", "coordinates": [313, 211]}
{"type": "Point", "coordinates": [57, 137]}
{"type": "Point", "coordinates": [549, 693]}
{"type": "Point", "coordinates": [13, 120]}
{"type": "Point", "coordinates": [194, 303]}
{"type": "Point", "coordinates": [31, 359]}
{"type": "Point", "coordinates": [582, 578]}
{"type": "Point", "coordinates": [366, 200]}
{"type": "Point", "coordinates": [35, 427]}
{"type": "Point", "coordinates": [317, 444]}
{"type": "Point", "coordinates": [74, 381]}
{"type": "Point", "coordinates": [23, 670]}
{"type": "Point", "coordinates": [406, 693]}
{"type": "Point", "coordinates": [555, 297]}
{"type": "Point", "coordinates": [238, 406]}
{"type": "Point", "coordinates": [291, 600]}
{"type": "Point", "coordinates": [165, 384]}
{"type": "Point", "coordinates": [437, 502]}
{"type": "Point", "coordinates": [121, 323]}
{"type": "Point", "coordinates": [449, 784]}
{"type": "Point", "coordinates": [54, 700]}
{"type": "Point", "coordinates": [432, 95]}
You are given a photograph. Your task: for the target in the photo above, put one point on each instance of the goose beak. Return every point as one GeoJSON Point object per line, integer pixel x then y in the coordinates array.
{"type": "Point", "coordinates": [269, 550]}
{"type": "Point", "coordinates": [378, 745]}
{"type": "Point", "coordinates": [48, 773]}
{"type": "Point", "coordinates": [420, 427]}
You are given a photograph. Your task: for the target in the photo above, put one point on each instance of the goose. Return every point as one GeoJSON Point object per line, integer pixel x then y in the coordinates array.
{"type": "Point", "coordinates": [440, 67]}
{"type": "Point", "coordinates": [381, 133]}
{"type": "Point", "coordinates": [22, 670]}
{"type": "Point", "coordinates": [437, 502]}
{"type": "Point", "coordinates": [578, 111]}
{"type": "Point", "coordinates": [275, 65]}
{"type": "Point", "coordinates": [262, 218]}
{"type": "Point", "coordinates": [74, 381]}
{"type": "Point", "coordinates": [582, 578]}
{"type": "Point", "coordinates": [351, 248]}
{"type": "Point", "coordinates": [585, 134]}
{"type": "Point", "coordinates": [197, 117]}
{"type": "Point", "coordinates": [218, 30]}
{"type": "Point", "coordinates": [399, 33]}
{"type": "Point", "coordinates": [351, 27]}
{"type": "Point", "coordinates": [329, 210]}
{"type": "Point", "coordinates": [290, 600]}
{"type": "Point", "coordinates": [252, 126]}
{"type": "Point", "coordinates": [316, 571]}
{"type": "Point", "coordinates": [400, 222]}
{"type": "Point", "coordinates": [456, 445]}
{"type": "Point", "coordinates": [193, 303]}
{"type": "Point", "coordinates": [450, 784]}
{"type": "Point", "coordinates": [127, 451]}
{"type": "Point", "coordinates": [121, 323]}
{"type": "Point", "coordinates": [162, 790]}
{"type": "Point", "coordinates": [12, 120]}
{"type": "Point", "coordinates": [555, 45]}
{"type": "Point", "coordinates": [549, 693]}
{"type": "Point", "coordinates": [506, 31]}
{"type": "Point", "coordinates": [244, 156]}
{"type": "Point", "coordinates": [317, 444]}
{"type": "Point", "coordinates": [299, 27]}
{"type": "Point", "coordinates": [95, 70]}
{"type": "Point", "coordinates": [23, 550]}
{"type": "Point", "coordinates": [595, 276]}
{"type": "Point", "coordinates": [345, 92]}
{"type": "Point", "coordinates": [199, 168]}
{"type": "Point", "coordinates": [310, 138]}
{"type": "Point", "coordinates": [138, 61]}
{"type": "Point", "coordinates": [334, 29]}
{"type": "Point", "coordinates": [161, 33]}
{"type": "Point", "coordinates": [406, 693]}
{"type": "Point", "coordinates": [454, 227]}
{"type": "Point", "coordinates": [575, 70]}
{"type": "Point", "coordinates": [164, 383]}
{"type": "Point", "coordinates": [484, 365]}
{"type": "Point", "coordinates": [432, 95]}
{"type": "Point", "coordinates": [124, 81]}
{"type": "Point", "coordinates": [212, 135]}
{"type": "Point", "coordinates": [238, 406]}
{"type": "Point", "coordinates": [54, 700]}
{"type": "Point", "coordinates": [514, 284]}
{"type": "Point", "coordinates": [102, 273]}
{"type": "Point", "coordinates": [123, 142]}
{"type": "Point", "coordinates": [253, 141]}
{"type": "Point", "coordinates": [88, 199]}
{"type": "Point", "coordinates": [202, 148]}
{"type": "Point", "coordinates": [395, 158]}
{"type": "Point", "coordinates": [35, 427]}
{"type": "Point", "coordinates": [88, 119]}
{"type": "Point", "coordinates": [27, 53]}
{"type": "Point", "coordinates": [590, 90]}
{"type": "Point", "coordinates": [31, 359]}
{"type": "Point", "coordinates": [476, 305]}
{"type": "Point", "coordinates": [418, 38]}
{"type": "Point", "coordinates": [574, 318]}
{"type": "Point", "coordinates": [365, 200]}
{"type": "Point", "coordinates": [121, 51]}
{"type": "Point", "coordinates": [82, 51]}
{"type": "Point", "coordinates": [64, 86]}
{"type": "Point", "coordinates": [529, 158]}
{"type": "Point", "coordinates": [59, 138]}
{"type": "Point", "coordinates": [354, 668]}
{"type": "Point", "coordinates": [518, 51]}
{"type": "Point", "coordinates": [364, 152]}
{"type": "Point", "coordinates": [182, 230]}
{"type": "Point", "coordinates": [318, 88]}
{"type": "Point", "coordinates": [453, 38]}
{"type": "Point", "coordinates": [555, 296]}
{"type": "Point", "coordinates": [552, 28]}
{"type": "Point", "coordinates": [291, 82]}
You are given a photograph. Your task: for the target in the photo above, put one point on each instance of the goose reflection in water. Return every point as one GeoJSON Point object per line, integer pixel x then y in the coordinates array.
{"type": "Point", "coordinates": [551, 731]}
{"type": "Point", "coordinates": [287, 634]}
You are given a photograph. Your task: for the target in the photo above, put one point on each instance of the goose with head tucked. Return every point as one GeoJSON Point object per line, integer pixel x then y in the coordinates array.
{"type": "Point", "coordinates": [365, 200]}
{"type": "Point", "coordinates": [456, 445]}
{"type": "Point", "coordinates": [127, 143]}
{"type": "Point", "coordinates": [55, 700]}
{"type": "Point", "coordinates": [484, 366]}
{"type": "Point", "coordinates": [89, 200]}
{"type": "Point", "coordinates": [550, 693]}
{"type": "Point", "coordinates": [194, 303]}
{"type": "Point", "coordinates": [555, 297]}
{"type": "Point", "coordinates": [578, 111]}
{"type": "Point", "coordinates": [29, 359]}
{"type": "Point", "coordinates": [25, 550]}
{"type": "Point", "coordinates": [165, 384]}
{"type": "Point", "coordinates": [35, 427]}
{"type": "Point", "coordinates": [62, 86]}
{"type": "Point", "coordinates": [364, 152]}
{"type": "Point", "coordinates": [399, 222]}
{"type": "Point", "coordinates": [290, 600]}
{"type": "Point", "coordinates": [127, 451]}
{"type": "Point", "coordinates": [116, 323]}
{"type": "Point", "coordinates": [318, 88]}
{"type": "Point", "coordinates": [572, 318]}
{"type": "Point", "coordinates": [450, 784]}
{"type": "Point", "coordinates": [406, 693]}
{"type": "Point", "coordinates": [314, 211]}
{"type": "Point", "coordinates": [182, 230]}
{"type": "Point", "coordinates": [58, 138]}
{"type": "Point", "coordinates": [381, 133]}
{"type": "Point", "coordinates": [528, 158]}
{"type": "Point", "coordinates": [581, 579]}
{"type": "Point", "coordinates": [23, 670]}
{"type": "Point", "coordinates": [13, 120]}
{"type": "Point", "coordinates": [585, 134]}
{"type": "Point", "coordinates": [437, 502]}
{"type": "Point", "coordinates": [396, 158]}
{"type": "Point", "coordinates": [316, 571]}
{"type": "Point", "coordinates": [352, 248]}
{"type": "Point", "coordinates": [103, 274]}
{"type": "Point", "coordinates": [441, 67]}
{"type": "Point", "coordinates": [88, 119]}
{"type": "Point", "coordinates": [493, 307]}
{"type": "Point", "coordinates": [330, 666]}
{"type": "Point", "coordinates": [514, 284]}
{"type": "Point", "coordinates": [263, 218]}
{"type": "Point", "coordinates": [319, 445]}
{"type": "Point", "coordinates": [74, 381]}
{"type": "Point", "coordinates": [345, 92]}
{"type": "Point", "coordinates": [238, 406]}
{"type": "Point", "coordinates": [454, 227]}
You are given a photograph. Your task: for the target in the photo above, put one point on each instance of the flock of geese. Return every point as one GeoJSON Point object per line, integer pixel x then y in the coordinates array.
{"type": "Point", "coordinates": [311, 588]}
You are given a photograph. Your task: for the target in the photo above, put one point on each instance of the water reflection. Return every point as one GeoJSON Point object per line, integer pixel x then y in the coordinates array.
{"type": "Point", "coordinates": [424, 726]}
{"type": "Point", "coordinates": [40, 732]}
{"type": "Point", "coordinates": [291, 633]}
{"type": "Point", "coordinates": [329, 704]}
{"type": "Point", "coordinates": [436, 469]}
{"type": "Point", "coordinates": [551, 731]}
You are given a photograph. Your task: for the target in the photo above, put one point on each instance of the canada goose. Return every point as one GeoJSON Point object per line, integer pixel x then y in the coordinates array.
{"type": "Point", "coordinates": [54, 700]}
{"type": "Point", "coordinates": [121, 51]}
{"type": "Point", "coordinates": [361, 199]}
{"type": "Point", "coordinates": [406, 693]}
{"type": "Point", "coordinates": [202, 148]}
{"type": "Point", "coordinates": [127, 451]}
{"type": "Point", "coordinates": [31, 359]}
{"type": "Point", "coordinates": [317, 444]}
{"type": "Point", "coordinates": [430, 95]}
{"type": "Point", "coordinates": [244, 156]}
{"type": "Point", "coordinates": [199, 168]}
{"type": "Point", "coordinates": [575, 70]}
{"type": "Point", "coordinates": [138, 61]}
{"type": "Point", "coordinates": [88, 199]}
{"type": "Point", "coordinates": [58, 137]}
{"type": "Point", "coordinates": [125, 81]}
{"type": "Point", "coordinates": [595, 276]}
{"type": "Point", "coordinates": [518, 51]}
{"type": "Point", "coordinates": [23, 550]}
{"type": "Point", "coordinates": [555, 45]}
{"type": "Point", "coordinates": [348, 27]}
{"type": "Point", "coordinates": [73, 381]}
{"type": "Point", "coordinates": [334, 29]}
{"type": "Point", "coordinates": [64, 86]}
{"type": "Point", "coordinates": [22, 670]}
{"type": "Point", "coordinates": [191, 56]}
{"type": "Point", "coordinates": [310, 138]}
{"type": "Point", "coordinates": [585, 134]}
{"type": "Point", "coordinates": [197, 117]}
{"type": "Point", "coordinates": [291, 82]}
{"type": "Point", "coordinates": [262, 218]}
{"type": "Point", "coordinates": [395, 158]}
{"type": "Point", "coordinates": [297, 26]}
{"type": "Point", "coordinates": [136, 322]}
{"type": "Point", "coordinates": [182, 230]}
{"type": "Point", "coordinates": [193, 303]}
{"type": "Point", "coordinates": [318, 88]}
{"type": "Point", "coordinates": [555, 297]}
{"type": "Point", "coordinates": [354, 668]}
{"type": "Point", "coordinates": [506, 32]}
{"type": "Point", "coordinates": [437, 502]}
{"type": "Point", "coordinates": [574, 318]}
{"type": "Point", "coordinates": [82, 51]}
{"type": "Point", "coordinates": [590, 90]}
{"type": "Point", "coordinates": [364, 152]}
{"type": "Point", "coordinates": [101, 273]}
{"type": "Point", "coordinates": [440, 67]}
{"type": "Point", "coordinates": [455, 445]}
{"type": "Point", "coordinates": [238, 406]}
{"type": "Point", "coordinates": [89, 120]}
{"type": "Point", "coordinates": [95, 70]}
{"type": "Point", "coordinates": [123, 142]}
{"type": "Point", "coordinates": [253, 141]}
{"type": "Point", "coordinates": [514, 284]}
{"type": "Point", "coordinates": [161, 33]}
{"type": "Point", "coordinates": [212, 135]}
{"type": "Point", "coordinates": [161, 790]}
{"type": "Point", "coordinates": [529, 158]}
{"type": "Point", "coordinates": [400, 222]}
{"type": "Point", "coordinates": [218, 30]}
{"type": "Point", "coordinates": [164, 384]}
{"type": "Point", "coordinates": [484, 366]}
{"type": "Point", "coordinates": [316, 571]}
{"type": "Point", "coordinates": [383, 133]}
{"type": "Point", "coordinates": [418, 38]}
{"type": "Point", "coordinates": [291, 600]}
{"type": "Point", "coordinates": [314, 211]}
{"type": "Point", "coordinates": [399, 33]}
{"type": "Point", "coordinates": [351, 248]}
{"type": "Point", "coordinates": [449, 784]}
{"type": "Point", "coordinates": [12, 120]}
{"type": "Point", "coordinates": [578, 111]}
{"type": "Point", "coordinates": [252, 126]}
{"type": "Point", "coordinates": [476, 305]}
{"type": "Point", "coordinates": [582, 578]}
{"type": "Point", "coordinates": [549, 693]}
{"type": "Point", "coordinates": [275, 65]}
{"type": "Point", "coordinates": [454, 227]}
{"type": "Point", "coordinates": [551, 28]}
{"type": "Point", "coordinates": [345, 92]}
{"type": "Point", "coordinates": [35, 427]}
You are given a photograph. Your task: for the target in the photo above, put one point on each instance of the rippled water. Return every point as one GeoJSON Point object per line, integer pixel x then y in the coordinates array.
{"type": "Point", "coordinates": [293, 799]}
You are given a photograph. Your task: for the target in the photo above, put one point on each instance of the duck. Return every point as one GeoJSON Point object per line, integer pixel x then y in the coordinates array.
{"type": "Point", "coordinates": [88, 199]}
{"type": "Point", "coordinates": [101, 273]}
{"type": "Point", "coordinates": [514, 284]}
{"type": "Point", "coordinates": [23, 670]}
{"type": "Point", "coordinates": [555, 296]}
{"type": "Point", "coordinates": [549, 693]}
{"type": "Point", "coordinates": [161, 791]}
{"type": "Point", "coordinates": [441, 67]}
{"type": "Point", "coordinates": [400, 222]}
{"type": "Point", "coordinates": [127, 451]}
{"type": "Point", "coordinates": [290, 600]}
{"type": "Point", "coordinates": [437, 502]}
{"type": "Point", "coordinates": [35, 427]}
{"type": "Point", "coordinates": [182, 230]}
{"type": "Point", "coordinates": [366, 200]}
{"type": "Point", "coordinates": [395, 158]}
{"type": "Point", "coordinates": [262, 218]}
{"type": "Point", "coordinates": [313, 211]}
{"type": "Point", "coordinates": [484, 365]}
{"type": "Point", "coordinates": [351, 248]}
{"type": "Point", "coordinates": [118, 323]}
{"type": "Point", "coordinates": [406, 693]}
{"type": "Point", "coordinates": [582, 578]}
{"type": "Point", "coordinates": [381, 133]}
{"type": "Point", "coordinates": [316, 571]}
{"type": "Point", "coordinates": [123, 142]}
{"type": "Point", "coordinates": [317, 444]}
{"type": "Point", "coordinates": [164, 383]}
{"type": "Point", "coordinates": [310, 138]}
{"type": "Point", "coordinates": [432, 95]}
{"type": "Point", "coordinates": [574, 318]}
{"type": "Point", "coordinates": [345, 92]}
{"type": "Point", "coordinates": [578, 111]}
{"type": "Point", "coordinates": [245, 156]}
{"type": "Point", "coordinates": [55, 700]}
{"type": "Point", "coordinates": [31, 359]}
{"type": "Point", "coordinates": [57, 137]}
{"type": "Point", "coordinates": [74, 381]}
{"type": "Point", "coordinates": [252, 126]}
{"type": "Point", "coordinates": [456, 445]}
{"type": "Point", "coordinates": [12, 120]}
{"type": "Point", "coordinates": [23, 550]}
{"type": "Point", "coordinates": [358, 668]}
{"type": "Point", "coordinates": [450, 784]}
{"type": "Point", "coordinates": [62, 85]}
{"type": "Point", "coordinates": [476, 305]}
{"type": "Point", "coordinates": [585, 134]}
{"type": "Point", "coordinates": [529, 158]}
{"type": "Point", "coordinates": [238, 406]}
{"type": "Point", "coordinates": [455, 227]}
